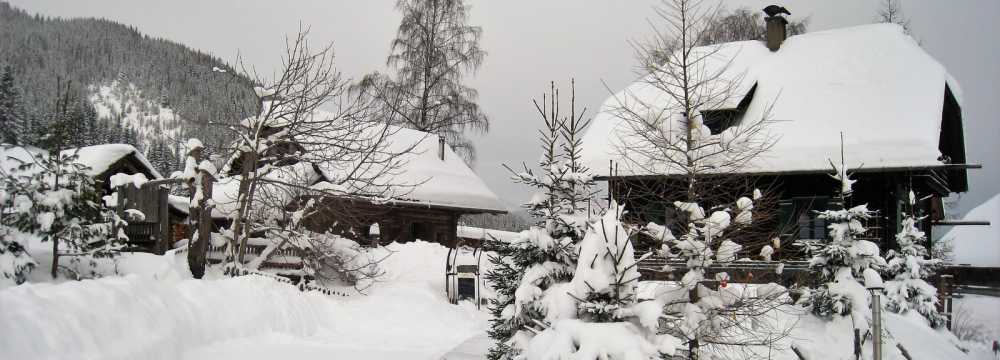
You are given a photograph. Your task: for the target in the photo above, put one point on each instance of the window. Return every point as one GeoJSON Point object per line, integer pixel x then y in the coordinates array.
{"type": "Point", "coordinates": [719, 120]}
{"type": "Point", "coordinates": [799, 217]}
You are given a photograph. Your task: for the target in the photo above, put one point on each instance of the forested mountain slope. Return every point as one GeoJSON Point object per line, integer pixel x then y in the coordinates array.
{"type": "Point", "coordinates": [60, 69]}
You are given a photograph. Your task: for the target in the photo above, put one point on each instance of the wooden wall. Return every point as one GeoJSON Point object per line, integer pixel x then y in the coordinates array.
{"type": "Point", "coordinates": [397, 223]}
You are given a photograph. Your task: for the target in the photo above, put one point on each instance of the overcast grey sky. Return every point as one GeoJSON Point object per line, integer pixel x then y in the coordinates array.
{"type": "Point", "coordinates": [531, 42]}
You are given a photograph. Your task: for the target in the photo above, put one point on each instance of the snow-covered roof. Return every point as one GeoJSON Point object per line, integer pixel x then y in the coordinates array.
{"type": "Point", "coordinates": [422, 179]}
{"type": "Point", "coordinates": [100, 157]}
{"type": "Point", "coordinates": [442, 183]}
{"type": "Point", "coordinates": [978, 245]}
{"type": "Point", "coordinates": [873, 83]}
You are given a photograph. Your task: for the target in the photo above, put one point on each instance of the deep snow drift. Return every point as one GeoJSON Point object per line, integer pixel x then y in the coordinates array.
{"type": "Point", "coordinates": [978, 245]}
{"type": "Point", "coordinates": [159, 312]}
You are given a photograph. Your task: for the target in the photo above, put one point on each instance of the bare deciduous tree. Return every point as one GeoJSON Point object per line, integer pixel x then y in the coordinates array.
{"type": "Point", "coordinates": [891, 12]}
{"type": "Point", "coordinates": [309, 141]}
{"type": "Point", "coordinates": [686, 133]}
{"type": "Point", "coordinates": [434, 48]}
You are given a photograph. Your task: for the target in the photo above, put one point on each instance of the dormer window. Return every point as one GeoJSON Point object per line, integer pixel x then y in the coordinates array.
{"type": "Point", "coordinates": [719, 120]}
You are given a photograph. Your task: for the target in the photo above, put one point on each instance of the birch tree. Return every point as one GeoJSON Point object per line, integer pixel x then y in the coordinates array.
{"type": "Point", "coordinates": [434, 49]}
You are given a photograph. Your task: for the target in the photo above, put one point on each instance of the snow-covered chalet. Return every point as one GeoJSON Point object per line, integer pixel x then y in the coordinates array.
{"type": "Point", "coordinates": [899, 111]}
{"type": "Point", "coordinates": [436, 189]}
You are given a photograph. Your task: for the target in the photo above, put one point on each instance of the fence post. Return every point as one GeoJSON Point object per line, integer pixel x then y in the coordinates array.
{"type": "Point", "coordinates": [876, 326]}
{"type": "Point", "coordinates": [163, 219]}
{"type": "Point", "coordinates": [202, 214]}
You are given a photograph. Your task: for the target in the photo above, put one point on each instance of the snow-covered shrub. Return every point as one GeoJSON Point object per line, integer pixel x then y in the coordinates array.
{"type": "Point", "coordinates": [712, 319]}
{"type": "Point", "coordinates": [844, 260]}
{"type": "Point", "coordinates": [841, 262]}
{"type": "Point", "coordinates": [907, 268]}
{"type": "Point", "coordinates": [597, 314]}
{"type": "Point", "coordinates": [52, 196]}
{"type": "Point", "coordinates": [15, 263]}
{"type": "Point", "coordinates": [336, 260]}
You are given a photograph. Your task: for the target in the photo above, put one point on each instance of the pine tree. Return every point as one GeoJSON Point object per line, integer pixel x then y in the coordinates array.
{"type": "Point", "coordinates": [11, 116]}
{"type": "Point", "coordinates": [601, 298]}
{"type": "Point", "coordinates": [845, 259]}
{"type": "Point", "coordinates": [907, 270]}
{"type": "Point", "coordinates": [536, 268]}
{"type": "Point", "coordinates": [54, 198]}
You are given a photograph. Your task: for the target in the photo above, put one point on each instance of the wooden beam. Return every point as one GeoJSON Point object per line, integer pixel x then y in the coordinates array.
{"type": "Point", "coordinates": [960, 222]}
{"type": "Point", "coordinates": [824, 171]}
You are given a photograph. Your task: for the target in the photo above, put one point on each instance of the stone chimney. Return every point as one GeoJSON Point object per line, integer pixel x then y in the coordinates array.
{"type": "Point", "coordinates": [776, 31]}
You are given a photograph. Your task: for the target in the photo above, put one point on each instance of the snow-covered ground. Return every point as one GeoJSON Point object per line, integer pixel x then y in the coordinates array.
{"type": "Point", "coordinates": [978, 245]}
{"type": "Point", "coordinates": [158, 312]}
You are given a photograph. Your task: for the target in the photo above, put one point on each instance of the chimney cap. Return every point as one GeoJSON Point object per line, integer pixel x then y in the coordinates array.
{"type": "Point", "coordinates": [775, 10]}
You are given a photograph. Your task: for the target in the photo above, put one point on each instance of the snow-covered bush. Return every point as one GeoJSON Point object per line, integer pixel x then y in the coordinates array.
{"type": "Point", "coordinates": [52, 197]}
{"type": "Point", "coordinates": [907, 268]}
{"type": "Point", "coordinates": [335, 260]}
{"type": "Point", "coordinates": [597, 314]}
{"type": "Point", "coordinates": [844, 260]}
{"type": "Point", "coordinates": [15, 263]}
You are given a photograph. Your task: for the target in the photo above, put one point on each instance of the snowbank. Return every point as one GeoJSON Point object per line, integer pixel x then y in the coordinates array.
{"type": "Point", "coordinates": [978, 245]}
{"type": "Point", "coordinates": [158, 312]}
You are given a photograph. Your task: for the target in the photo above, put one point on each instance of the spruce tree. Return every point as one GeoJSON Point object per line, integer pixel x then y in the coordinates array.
{"type": "Point", "coordinates": [535, 268]}
{"type": "Point", "coordinates": [907, 270]}
{"type": "Point", "coordinates": [53, 197]}
{"type": "Point", "coordinates": [845, 259]}
{"type": "Point", "coordinates": [10, 114]}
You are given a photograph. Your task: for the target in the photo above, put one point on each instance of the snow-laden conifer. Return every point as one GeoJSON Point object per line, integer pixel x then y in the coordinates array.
{"type": "Point", "coordinates": [533, 271]}
{"type": "Point", "coordinates": [597, 314]}
{"type": "Point", "coordinates": [52, 197]}
{"type": "Point", "coordinates": [907, 268]}
{"type": "Point", "coordinates": [844, 260]}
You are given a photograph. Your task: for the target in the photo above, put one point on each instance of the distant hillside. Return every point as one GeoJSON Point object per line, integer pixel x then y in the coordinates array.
{"type": "Point", "coordinates": [129, 76]}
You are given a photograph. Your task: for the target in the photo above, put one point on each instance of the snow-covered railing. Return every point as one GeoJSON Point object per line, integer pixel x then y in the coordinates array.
{"type": "Point", "coordinates": [302, 284]}
{"type": "Point", "coordinates": [753, 271]}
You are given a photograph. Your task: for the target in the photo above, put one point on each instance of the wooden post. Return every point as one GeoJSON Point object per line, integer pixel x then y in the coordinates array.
{"type": "Point", "coordinates": [120, 209]}
{"type": "Point", "coordinates": [163, 218]}
{"type": "Point", "coordinates": [693, 343]}
{"type": "Point", "coordinates": [876, 326]}
{"type": "Point", "coordinates": [201, 214]}
{"type": "Point", "coordinates": [857, 343]}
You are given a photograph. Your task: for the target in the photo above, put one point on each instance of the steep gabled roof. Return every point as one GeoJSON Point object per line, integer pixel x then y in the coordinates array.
{"type": "Point", "coordinates": [873, 83]}
{"type": "Point", "coordinates": [100, 158]}
{"type": "Point", "coordinates": [422, 179]}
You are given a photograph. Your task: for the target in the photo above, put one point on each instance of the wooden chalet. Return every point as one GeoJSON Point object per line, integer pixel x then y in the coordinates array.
{"type": "Point", "coordinates": [163, 221]}
{"type": "Point", "coordinates": [156, 231]}
{"type": "Point", "coordinates": [898, 109]}
{"type": "Point", "coordinates": [436, 187]}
